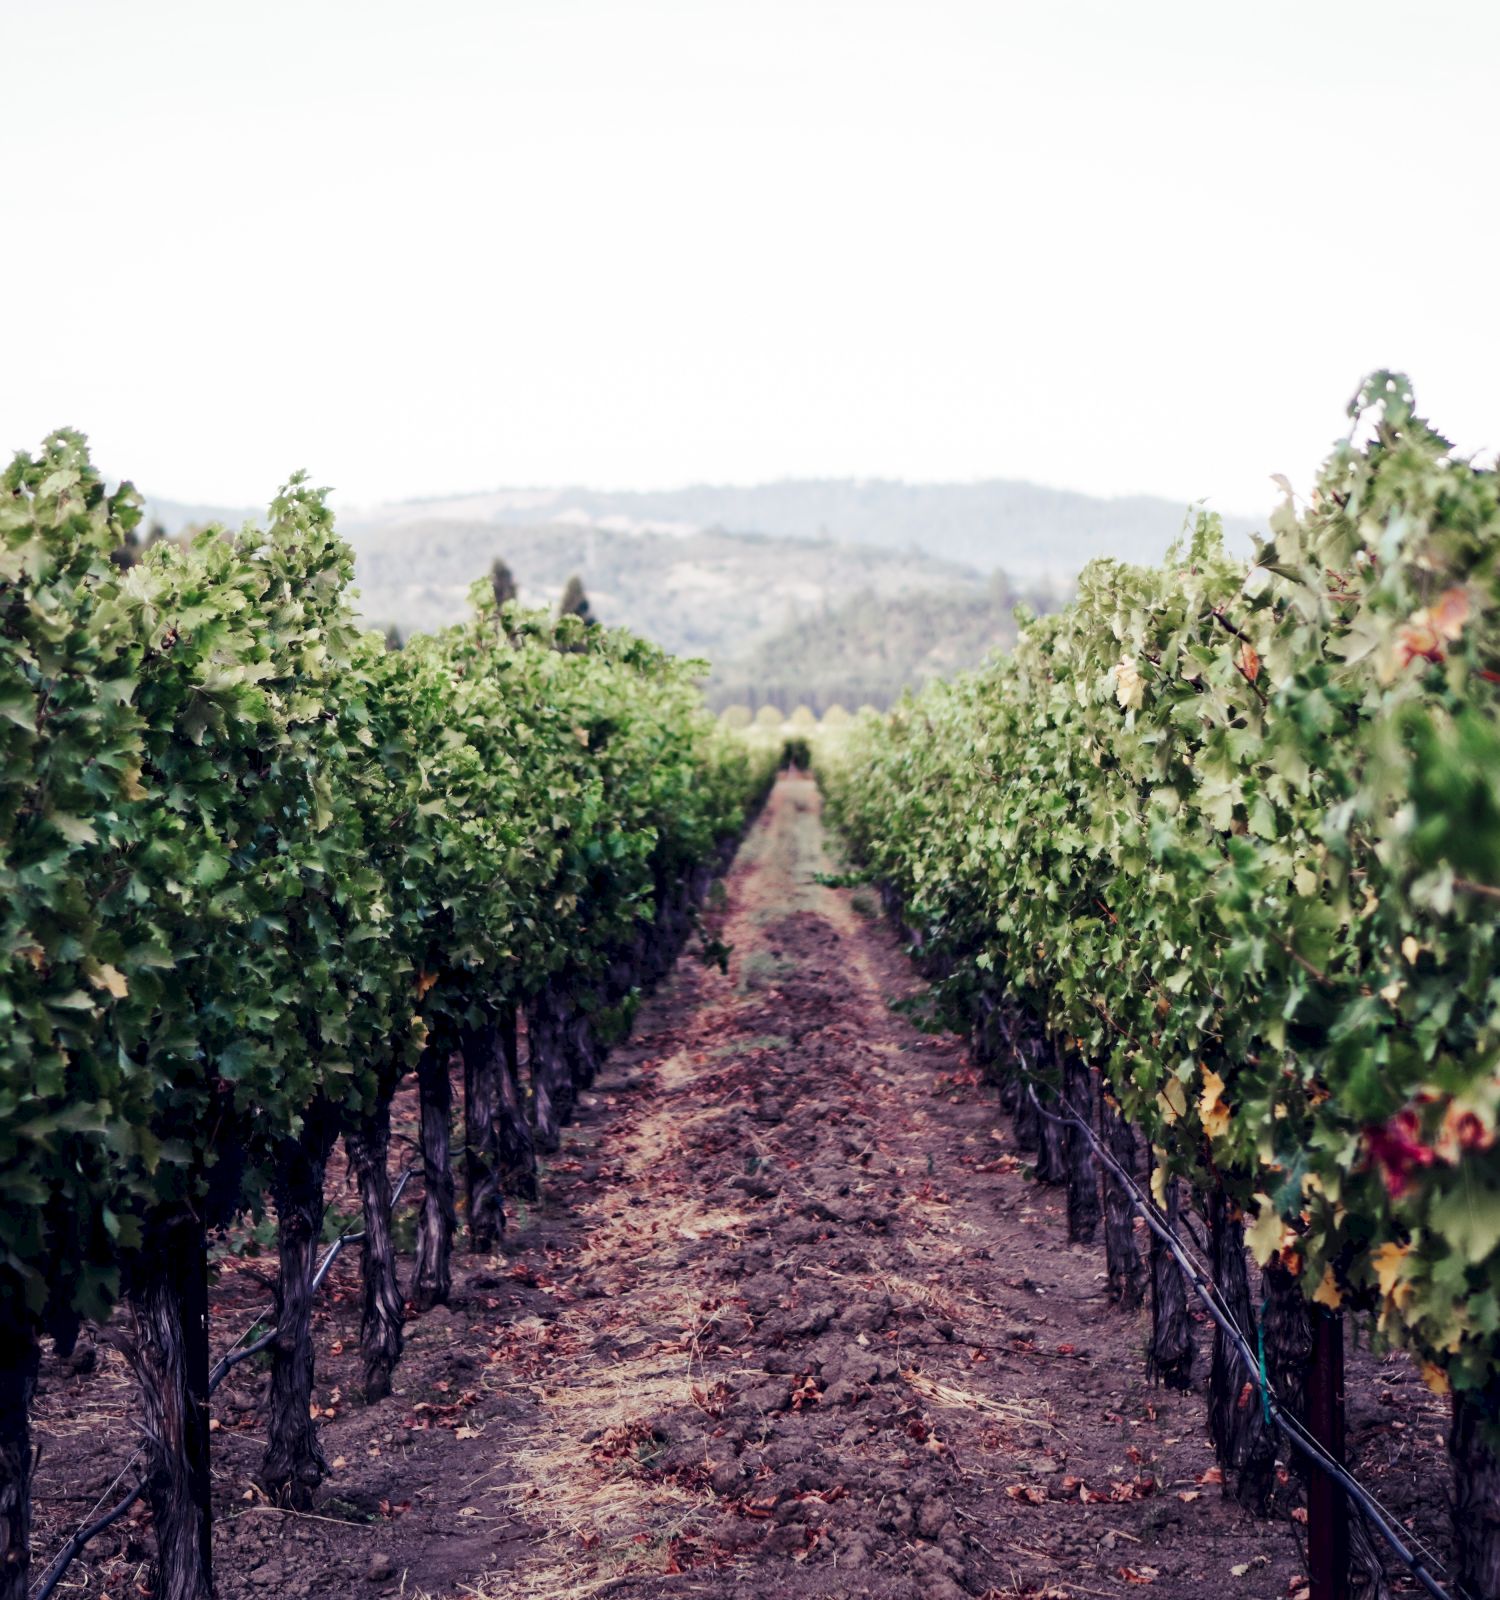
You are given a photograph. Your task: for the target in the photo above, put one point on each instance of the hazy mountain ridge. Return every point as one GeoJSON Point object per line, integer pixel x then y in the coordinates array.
{"type": "Point", "coordinates": [771, 582]}
{"type": "Point", "coordinates": [709, 594]}
{"type": "Point", "coordinates": [1023, 529]}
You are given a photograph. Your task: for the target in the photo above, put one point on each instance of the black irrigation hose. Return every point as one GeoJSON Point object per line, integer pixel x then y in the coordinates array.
{"type": "Point", "coordinates": [232, 1358]}
{"type": "Point", "coordinates": [226, 1363]}
{"type": "Point", "coordinates": [1296, 1434]}
{"type": "Point", "coordinates": [69, 1552]}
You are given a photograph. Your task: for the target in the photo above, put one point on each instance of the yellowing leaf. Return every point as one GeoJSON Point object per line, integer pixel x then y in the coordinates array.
{"type": "Point", "coordinates": [1159, 1183]}
{"type": "Point", "coordinates": [1264, 1234]}
{"type": "Point", "coordinates": [1435, 1378]}
{"type": "Point", "coordinates": [103, 976]}
{"type": "Point", "coordinates": [1389, 1264]}
{"type": "Point", "coordinates": [1172, 1100]}
{"type": "Point", "coordinates": [423, 982]}
{"type": "Point", "coordinates": [1212, 1111]}
{"type": "Point", "coordinates": [1425, 632]}
{"type": "Point", "coordinates": [1451, 613]}
{"type": "Point", "coordinates": [1410, 949]}
{"type": "Point", "coordinates": [1327, 1292]}
{"type": "Point", "coordinates": [1129, 685]}
{"type": "Point", "coordinates": [130, 782]}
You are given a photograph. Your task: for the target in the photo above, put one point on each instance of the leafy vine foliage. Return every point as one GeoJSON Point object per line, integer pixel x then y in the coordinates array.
{"type": "Point", "coordinates": [1234, 833]}
{"type": "Point", "coordinates": [252, 864]}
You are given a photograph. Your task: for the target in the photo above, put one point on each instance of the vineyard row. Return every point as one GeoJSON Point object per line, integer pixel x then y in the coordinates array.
{"type": "Point", "coordinates": [1215, 851]}
{"type": "Point", "coordinates": [254, 868]}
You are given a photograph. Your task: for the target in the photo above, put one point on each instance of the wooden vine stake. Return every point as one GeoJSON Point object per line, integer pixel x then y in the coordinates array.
{"type": "Point", "coordinates": [1327, 1505]}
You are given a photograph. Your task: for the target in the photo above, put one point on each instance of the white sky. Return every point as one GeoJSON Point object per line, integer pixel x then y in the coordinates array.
{"type": "Point", "coordinates": [447, 246]}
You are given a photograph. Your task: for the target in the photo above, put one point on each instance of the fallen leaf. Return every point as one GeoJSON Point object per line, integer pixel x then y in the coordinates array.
{"type": "Point", "coordinates": [1187, 1496]}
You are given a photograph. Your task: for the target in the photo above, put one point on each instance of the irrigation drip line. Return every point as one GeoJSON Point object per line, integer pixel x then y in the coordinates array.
{"type": "Point", "coordinates": [1417, 1564]}
{"type": "Point", "coordinates": [226, 1363]}
{"type": "Point", "coordinates": [234, 1355]}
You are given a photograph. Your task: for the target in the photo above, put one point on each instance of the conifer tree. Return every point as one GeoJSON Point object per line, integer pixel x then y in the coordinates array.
{"type": "Point", "coordinates": [574, 602]}
{"type": "Point", "coordinates": [502, 581]}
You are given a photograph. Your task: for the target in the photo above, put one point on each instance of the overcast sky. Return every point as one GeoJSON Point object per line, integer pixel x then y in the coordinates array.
{"type": "Point", "coordinates": [447, 246]}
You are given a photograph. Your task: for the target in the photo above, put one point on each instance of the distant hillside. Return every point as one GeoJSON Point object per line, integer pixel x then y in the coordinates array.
{"type": "Point", "coordinates": [998, 525]}
{"type": "Point", "coordinates": [870, 648]}
{"type": "Point", "coordinates": [736, 574]}
{"type": "Point", "coordinates": [710, 594]}
{"type": "Point", "coordinates": [175, 515]}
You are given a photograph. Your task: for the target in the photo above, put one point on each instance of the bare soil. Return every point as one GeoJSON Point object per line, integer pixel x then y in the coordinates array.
{"type": "Point", "coordinates": [791, 1319]}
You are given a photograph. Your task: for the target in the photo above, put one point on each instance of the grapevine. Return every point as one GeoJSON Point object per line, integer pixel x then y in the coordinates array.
{"type": "Point", "coordinates": [254, 867]}
{"type": "Point", "coordinates": [1226, 832]}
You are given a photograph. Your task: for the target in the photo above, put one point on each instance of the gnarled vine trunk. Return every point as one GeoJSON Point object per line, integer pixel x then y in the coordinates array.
{"type": "Point", "coordinates": [1027, 1127]}
{"type": "Point", "coordinates": [19, 1358]}
{"type": "Point", "coordinates": [584, 1052]}
{"type": "Point", "coordinates": [1127, 1275]}
{"type": "Point", "coordinates": [294, 1463]}
{"type": "Point", "coordinates": [432, 1282]}
{"type": "Point", "coordinates": [1083, 1173]}
{"type": "Point", "coordinates": [484, 1068]}
{"type": "Point", "coordinates": [1170, 1359]}
{"type": "Point", "coordinates": [368, 1143]}
{"type": "Point", "coordinates": [169, 1352]}
{"type": "Point", "coordinates": [1474, 1450]}
{"type": "Point", "coordinates": [1052, 1151]}
{"type": "Point", "coordinates": [1243, 1442]}
{"type": "Point", "coordinates": [517, 1149]}
{"type": "Point", "coordinates": [551, 1078]}
{"type": "Point", "coordinates": [1286, 1336]}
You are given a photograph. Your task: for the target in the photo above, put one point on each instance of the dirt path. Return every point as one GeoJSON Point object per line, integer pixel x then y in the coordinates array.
{"type": "Point", "coordinates": [816, 1335]}
{"type": "Point", "coordinates": [790, 1321]}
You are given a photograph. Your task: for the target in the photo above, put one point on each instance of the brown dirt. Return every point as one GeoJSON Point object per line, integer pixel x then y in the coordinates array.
{"type": "Point", "coordinates": [791, 1320]}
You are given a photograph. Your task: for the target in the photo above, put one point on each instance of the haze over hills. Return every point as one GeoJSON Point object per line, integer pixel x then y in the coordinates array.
{"type": "Point", "coordinates": [748, 576]}
{"type": "Point", "coordinates": [1023, 529]}
{"type": "Point", "coordinates": [706, 594]}
{"type": "Point", "coordinates": [866, 649]}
